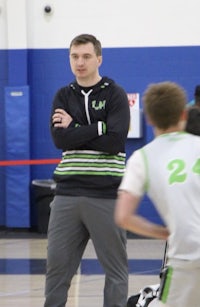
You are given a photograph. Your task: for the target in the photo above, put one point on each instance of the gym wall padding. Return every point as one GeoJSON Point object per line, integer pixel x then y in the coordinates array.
{"type": "Point", "coordinates": [17, 147]}
{"type": "Point", "coordinates": [3, 82]}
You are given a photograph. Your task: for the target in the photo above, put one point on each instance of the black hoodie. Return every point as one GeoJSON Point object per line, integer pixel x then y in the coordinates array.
{"type": "Point", "coordinates": [93, 145]}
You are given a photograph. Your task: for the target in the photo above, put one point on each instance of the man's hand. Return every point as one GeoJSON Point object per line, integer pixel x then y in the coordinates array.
{"type": "Point", "coordinates": [61, 118]}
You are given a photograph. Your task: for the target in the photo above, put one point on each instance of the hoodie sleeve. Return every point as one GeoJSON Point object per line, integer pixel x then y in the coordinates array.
{"type": "Point", "coordinates": [77, 134]}
{"type": "Point", "coordinates": [117, 124]}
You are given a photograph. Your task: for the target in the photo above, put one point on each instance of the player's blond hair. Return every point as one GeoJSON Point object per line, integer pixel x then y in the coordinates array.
{"type": "Point", "coordinates": [164, 103]}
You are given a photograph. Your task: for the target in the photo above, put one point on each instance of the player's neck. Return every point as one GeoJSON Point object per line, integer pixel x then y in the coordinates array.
{"type": "Point", "coordinates": [177, 128]}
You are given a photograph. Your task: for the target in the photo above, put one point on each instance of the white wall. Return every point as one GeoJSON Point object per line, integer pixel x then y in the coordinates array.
{"type": "Point", "coordinates": [3, 22]}
{"type": "Point", "coordinates": [117, 23]}
{"type": "Point", "coordinates": [13, 24]}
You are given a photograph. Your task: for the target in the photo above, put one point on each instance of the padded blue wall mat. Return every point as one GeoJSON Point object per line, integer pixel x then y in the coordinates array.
{"type": "Point", "coordinates": [17, 148]}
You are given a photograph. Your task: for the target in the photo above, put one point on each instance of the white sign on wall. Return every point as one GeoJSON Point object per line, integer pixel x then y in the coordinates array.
{"type": "Point", "coordinates": [135, 128]}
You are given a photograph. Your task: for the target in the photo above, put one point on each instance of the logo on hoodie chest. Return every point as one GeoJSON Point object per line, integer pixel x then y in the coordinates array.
{"type": "Point", "coordinates": [99, 105]}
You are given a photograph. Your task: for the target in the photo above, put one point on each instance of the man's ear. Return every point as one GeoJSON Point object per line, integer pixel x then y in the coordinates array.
{"type": "Point", "coordinates": [100, 59]}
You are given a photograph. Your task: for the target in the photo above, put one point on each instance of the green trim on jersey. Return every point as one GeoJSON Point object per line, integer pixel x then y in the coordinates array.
{"type": "Point", "coordinates": [172, 135]}
{"type": "Point", "coordinates": [146, 186]}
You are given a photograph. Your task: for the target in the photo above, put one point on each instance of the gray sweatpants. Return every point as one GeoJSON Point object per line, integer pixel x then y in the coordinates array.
{"type": "Point", "coordinates": [73, 221]}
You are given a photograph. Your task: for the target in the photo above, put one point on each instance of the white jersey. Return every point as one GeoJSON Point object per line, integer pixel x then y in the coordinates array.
{"type": "Point", "coordinates": [168, 169]}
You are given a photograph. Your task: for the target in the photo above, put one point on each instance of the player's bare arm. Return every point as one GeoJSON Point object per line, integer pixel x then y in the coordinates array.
{"type": "Point", "coordinates": [126, 217]}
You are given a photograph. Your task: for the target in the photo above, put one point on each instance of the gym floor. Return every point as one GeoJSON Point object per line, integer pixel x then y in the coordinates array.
{"type": "Point", "coordinates": [22, 270]}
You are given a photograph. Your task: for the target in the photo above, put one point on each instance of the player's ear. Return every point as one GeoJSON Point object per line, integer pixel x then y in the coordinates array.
{"type": "Point", "coordinates": [149, 121]}
{"type": "Point", "coordinates": [184, 115]}
{"type": "Point", "coordinates": [183, 119]}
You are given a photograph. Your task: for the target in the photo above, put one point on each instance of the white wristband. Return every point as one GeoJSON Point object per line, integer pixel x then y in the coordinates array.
{"type": "Point", "coordinates": [100, 130]}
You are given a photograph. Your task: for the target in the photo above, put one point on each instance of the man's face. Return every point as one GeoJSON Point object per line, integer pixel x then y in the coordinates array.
{"type": "Point", "coordinates": [84, 61]}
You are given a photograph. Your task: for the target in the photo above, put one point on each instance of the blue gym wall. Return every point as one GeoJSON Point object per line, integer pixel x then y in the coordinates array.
{"type": "Point", "coordinates": [40, 64]}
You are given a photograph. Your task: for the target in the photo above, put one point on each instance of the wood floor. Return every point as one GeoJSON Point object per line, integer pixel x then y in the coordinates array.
{"type": "Point", "coordinates": [22, 271]}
